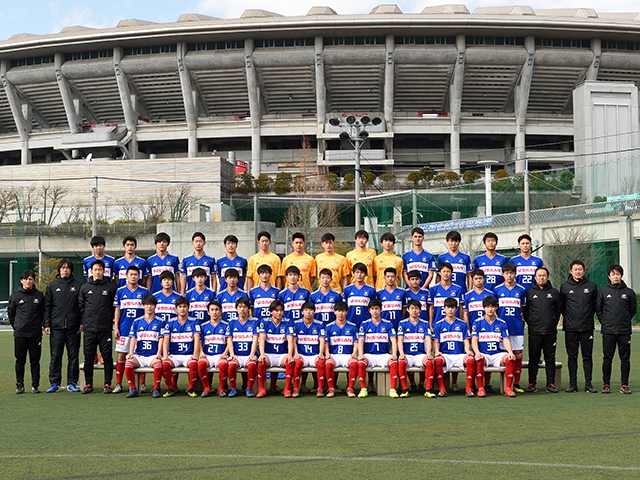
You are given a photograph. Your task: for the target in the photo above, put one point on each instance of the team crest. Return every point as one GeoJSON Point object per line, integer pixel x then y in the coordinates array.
{"type": "Point", "coordinates": [383, 329]}
{"type": "Point", "coordinates": [624, 295]}
{"type": "Point", "coordinates": [549, 295]}
{"type": "Point", "coordinates": [35, 300]}
{"type": "Point", "coordinates": [586, 290]}
{"type": "Point", "coordinates": [105, 292]}
{"type": "Point", "coordinates": [73, 289]}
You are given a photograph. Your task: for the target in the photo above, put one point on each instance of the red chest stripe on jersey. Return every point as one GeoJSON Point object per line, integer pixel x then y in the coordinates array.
{"type": "Point", "coordinates": [391, 305]}
{"type": "Point", "coordinates": [122, 274]}
{"type": "Point", "coordinates": [414, 337]}
{"type": "Point", "coordinates": [509, 302]}
{"type": "Point", "coordinates": [439, 301]}
{"type": "Point", "coordinates": [448, 336]}
{"type": "Point", "coordinates": [489, 337]}
{"type": "Point", "coordinates": [242, 336]}
{"type": "Point", "coordinates": [148, 336]}
{"type": "Point", "coordinates": [376, 337]}
{"type": "Point", "coordinates": [215, 338]}
{"type": "Point", "coordinates": [474, 306]}
{"type": "Point", "coordinates": [324, 307]}
{"type": "Point", "coordinates": [421, 267]}
{"type": "Point", "coordinates": [359, 301]}
{"type": "Point", "coordinates": [155, 271]}
{"type": "Point", "coordinates": [339, 340]}
{"type": "Point", "coordinates": [131, 303]}
{"type": "Point", "coordinates": [182, 337]}
{"type": "Point", "coordinates": [276, 337]}
{"type": "Point", "coordinates": [493, 270]}
{"type": "Point", "coordinates": [526, 269]}
{"type": "Point", "coordinates": [308, 339]}
{"type": "Point", "coordinates": [293, 304]}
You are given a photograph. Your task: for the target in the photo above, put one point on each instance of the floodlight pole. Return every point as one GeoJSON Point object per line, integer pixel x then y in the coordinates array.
{"type": "Point", "coordinates": [358, 146]}
{"type": "Point", "coordinates": [527, 205]}
{"type": "Point", "coordinates": [94, 218]}
{"type": "Point", "coordinates": [487, 185]}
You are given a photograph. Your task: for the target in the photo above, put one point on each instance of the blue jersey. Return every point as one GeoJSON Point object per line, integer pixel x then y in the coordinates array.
{"type": "Point", "coordinates": [308, 337]}
{"type": "Point", "coordinates": [392, 303]}
{"type": "Point", "coordinates": [473, 304]}
{"type": "Point", "coordinates": [451, 336]}
{"type": "Point", "coordinates": [461, 264]}
{"type": "Point", "coordinates": [422, 296]}
{"type": "Point", "coordinates": [213, 338]}
{"type": "Point", "coordinates": [424, 262]}
{"type": "Point", "coordinates": [377, 338]}
{"type": "Point", "coordinates": [261, 299]}
{"type": "Point", "coordinates": [228, 302]}
{"type": "Point", "coordinates": [276, 341]}
{"type": "Point", "coordinates": [489, 335]}
{"type": "Point", "coordinates": [324, 305]}
{"type": "Point", "coordinates": [341, 339]}
{"type": "Point", "coordinates": [108, 266]}
{"type": "Point", "coordinates": [293, 302]}
{"type": "Point", "coordinates": [437, 295]}
{"type": "Point", "coordinates": [121, 265]}
{"type": "Point", "coordinates": [238, 263]}
{"type": "Point", "coordinates": [510, 303]}
{"type": "Point", "coordinates": [157, 265]}
{"type": "Point", "coordinates": [357, 299]}
{"type": "Point", "coordinates": [492, 268]}
{"type": "Point", "coordinates": [241, 334]}
{"type": "Point", "coordinates": [413, 336]}
{"type": "Point", "coordinates": [146, 335]}
{"type": "Point", "coordinates": [199, 303]}
{"type": "Point", "coordinates": [190, 263]}
{"type": "Point", "coordinates": [166, 307]}
{"type": "Point", "coordinates": [130, 303]}
{"type": "Point", "coordinates": [526, 269]}
{"type": "Point", "coordinates": [181, 336]}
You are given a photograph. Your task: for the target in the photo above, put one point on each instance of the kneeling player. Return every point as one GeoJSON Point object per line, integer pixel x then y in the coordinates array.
{"type": "Point", "coordinates": [414, 345]}
{"type": "Point", "coordinates": [452, 347]}
{"type": "Point", "coordinates": [143, 347]}
{"type": "Point", "coordinates": [309, 346]}
{"type": "Point", "coordinates": [276, 347]}
{"type": "Point", "coordinates": [181, 347]}
{"type": "Point", "coordinates": [214, 349]}
{"type": "Point", "coordinates": [487, 333]}
{"type": "Point", "coordinates": [373, 344]}
{"type": "Point", "coordinates": [341, 349]}
{"type": "Point", "coordinates": [242, 338]}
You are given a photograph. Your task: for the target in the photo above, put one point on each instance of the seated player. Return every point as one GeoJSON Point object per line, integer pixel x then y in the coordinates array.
{"type": "Point", "coordinates": [374, 338]}
{"type": "Point", "coordinates": [229, 296]}
{"type": "Point", "coordinates": [358, 295]}
{"type": "Point", "coordinates": [341, 349]}
{"type": "Point", "coordinates": [392, 298]}
{"type": "Point", "coordinates": [414, 279]}
{"type": "Point", "coordinates": [294, 296]}
{"type": "Point", "coordinates": [414, 346]}
{"type": "Point", "coordinates": [143, 348]}
{"type": "Point", "coordinates": [325, 298]}
{"type": "Point", "coordinates": [452, 347]}
{"type": "Point", "coordinates": [199, 296]}
{"type": "Point", "coordinates": [242, 337]}
{"type": "Point", "coordinates": [214, 350]}
{"type": "Point", "coordinates": [487, 333]}
{"type": "Point", "coordinates": [309, 344]}
{"type": "Point", "coordinates": [276, 346]}
{"type": "Point", "coordinates": [181, 347]}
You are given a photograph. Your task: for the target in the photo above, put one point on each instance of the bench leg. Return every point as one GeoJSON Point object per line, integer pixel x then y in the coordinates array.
{"type": "Point", "coordinates": [559, 378]}
{"type": "Point", "coordinates": [447, 381]}
{"type": "Point", "coordinates": [503, 382]}
{"type": "Point", "coordinates": [383, 383]}
{"type": "Point", "coordinates": [81, 380]}
{"type": "Point", "coordinates": [138, 380]}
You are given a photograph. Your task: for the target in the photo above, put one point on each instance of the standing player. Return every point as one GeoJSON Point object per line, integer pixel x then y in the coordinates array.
{"type": "Point", "coordinates": [526, 264]}
{"type": "Point", "coordinates": [334, 262]}
{"type": "Point", "coordinates": [199, 259]}
{"type": "Point", "coordinates": [416, 292]}
{"type": "Point", "coordinates": [442, 290]}
{"type": "Point", "coordinates": [263, 294]}
{"type": "Point", "coordinates": [231, 260]}
{"type": "Point", "coordinates": [414, 347]}
{"type": "Point", "coordinates": [121, 265]}
{"type": "Point", "coordinates": [341, 349]}
{"type": "Point", "coordinates": [305, 262]}
{"type": "Point", "coordinates": [358, 295]}
{"type": "Point", "coordinates": [362, 254]}
{"type": "Point", "coordinates": [166, 308]}
{"type": "Point", "coordinates": [230, 295]}
{"type": "Point", "coordinates": [263, 257]}
{"type": "Point", "coordinates": [472, 308]}
{"type": "Point", "coordinates": [275, 341]}
{"type": "Point", "coordinates": [162, 261]}
{"type": "Point", "coordinates": [460, 262]}
{"type": "Point", "coordinates": [214, 350]}
{"type": "Point", "coordinates": [452, 347]}
{"type": "Point", "coordinates": [418, 259]}
{"type": "Point", "coordinates": [490, 262]}
{"type": "Point", "coordinates": [242, 337]}
{"type": "Point", "coordinates": [309, 349]}
{"type": "Point", "coordinates": [98, 244]}
{"type": "Point", "coordinates": [325, 298]}
{"type": "Point", "coordinates": [387, 259]}
{"type": "Point", "coordinates": [199, 297]}
{"type": "Point", "coordinates": [294, 296]}
{"type": "Point", "coordinates": [392, 298]}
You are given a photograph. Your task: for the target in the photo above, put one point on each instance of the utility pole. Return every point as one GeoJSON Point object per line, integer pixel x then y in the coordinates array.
{"type": "Point", "coordinates": [94, 218]}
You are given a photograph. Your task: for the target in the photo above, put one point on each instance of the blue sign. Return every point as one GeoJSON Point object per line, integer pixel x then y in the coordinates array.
{"type": "Point", "coordinates": [457, 224]}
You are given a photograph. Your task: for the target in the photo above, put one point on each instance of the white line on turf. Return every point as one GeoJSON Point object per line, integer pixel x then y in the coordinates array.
{"type": "Point", "coordinates": [311, 459]}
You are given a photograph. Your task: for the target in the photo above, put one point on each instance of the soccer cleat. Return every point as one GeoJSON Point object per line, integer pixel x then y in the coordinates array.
{"type": "Point", "coordinates": [455, 388]}
{"type": "Point", "coordinates": [625, 389]}
{"type": "Point", "coordinates": [589, 388]}
{"type": "Point", "coordinates": [489, 389]}
{"type": "Point", "coordinates": [296, 393]}
{"type": "Point", "coordinates": [53, 388]}
{"type": "Point", "coordinates": [37, 390]}
{"type": "Point", "coordinates": [106, 389]}
{"type": "Point", "coordinates": [118, 388]}
{"type": "Point", "coordinates": [428, 394]}
{"type": "Point", "coordinates": [509, 393]}
{"type": "Point", "coordinates": [191, 392]}
{"type": "Point", "coordinates": [206, 393]}
{"type": "Point", "coordinates": [222, 392]}
{"type": "Point", "coordinates": [143, 388]}
{"type": "Point", "coordinates": [531, 389]}
{"type": "Point", "coordinates": [331, 393]}
{"type": "Point", "coordinates": [442, 392]}
{"type": "Point", "coordinates": [517, 388]}
{"type": "Point", "coordinates": [606, 388]}
{"type": "Point", "coordinates": [482, 392]}
{"type": "Point", "coordinates": [371, 388]}
{"type": "Point", "coordinates": [304, 389]}
{"type": "Point", "coordinates": [572, 389]}
{"type": "Point", "coordinates": [405, 393]}
{"type": "Point", "coordinates": [319, 393]}
{"type": "Point", "coordinates": [363, 393]}
{"type": "Point", "coordinates": [169, 393]}
{"type": "Point", "coordinates": [155, 393]}
{"type": "Point", "coordinates": [19, 389]}
{"type": "Point", "coordinates": [72, 388]}
{"type": "Point", "coordinates": [351, 393]}
{"type": "Point", "coordinates": [132, 393]}
{"type": "Point", "coordinates": [261, 393]}
{"type": "Point", "coordinates": [551, 388]}
{"type": "Point", "coordinates": [87, 389]}
{"type": "Point", "coordinates": [249, 393]}
{"type": "Point", "coordinates": [313, 390]}
{"type": "Point", "coordinates": [233, 393]}
{"type": "Point", "coordinates": [287, 393]}
{"type": "Point", "coordinates": [393, 393]}
{"type": "Point", "coordinates": [469, 393]}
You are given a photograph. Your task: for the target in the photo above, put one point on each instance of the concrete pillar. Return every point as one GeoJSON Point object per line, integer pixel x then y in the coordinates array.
{"type": "Point", "coordinates": [455, 102]}
{"type": "Point", "coordinates": [321, 94]}
{"type": "Point", "coordinates": [23, 123]}
{"type": "Point", "coordinates": [254, 107]}
{"type": "Point", "coordinates": [596, 47]}
{"type": "Point", "coordinates": [188, 96]}
{"type": "Point", "coordinates": [389, 76]}
{"type": "Point", "coordinates": [130, 113]}
{"type": "Point", "coordinates": [522, 101]}
{"type": "Point", "coordinates": [72, 106]}
{"type": "Point", "coordinates": [629, 249]}
{"type": "Point", "coordinates": [508, 145]}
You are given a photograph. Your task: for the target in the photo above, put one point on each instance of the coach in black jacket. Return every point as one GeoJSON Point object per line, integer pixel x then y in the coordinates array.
{"type": "Point", "coordinates": [96, 304]}
{"type": "Point", "coordinates": [542, 313]}
{"type": "Point", "coordinates": [615, 306]}
{"type": "Point", "coordinates": [578, 297]}
{"type": "Point", "coordinates": [62, 320]}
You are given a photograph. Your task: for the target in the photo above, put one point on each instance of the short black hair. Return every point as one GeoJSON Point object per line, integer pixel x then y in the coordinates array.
{"type": "Point", "coordinates": [477, 272]}
{"type": "Point", "coordinates": [542, 268]}
{"type": "Point", "coordinates": [231, 273]}
{"type": "Point", "coordinates": [388, 236]}
{"type": "Point", "coordinates": [98, 240]}
{"type": "Point", "coordinates": [149, 299]}
{"type": "Point", "coordinates": [489, 302]}
{"type": "Point", "coordinates": [374, 302]}
{"type": "Point", "coordinates": [414, 274]}
{"type": "Point", "coordinates": [198, 234]}
{"type": "Point", "coordinates": [264, 233]}
{"type": "Point", "coordinates": [63, 262]}
{"type": "Point", "coordinates": [454, 235]}
{"type": "Point", "coordinates": [167, 274]}
{"type": "Point", "coordinates": [162, 236]}
{"type": "Point", "coordinates": [340, 307]}
{"type": "Point", "coordinates": [292, 269]}
{"type": "Point", "coordinates": [182, 301]}
{"type": "Point", "coordinates": [296, 235]}
{"type": "Point", "coordinates": [445, 265]}
{"type": "Point", "coordinates": [308, 305]}
{"type": "Point", "coordinates": [450, 302]}
{"type": "Point", "coordinates": [26, 274]}
{"type": "Point", "coordinates": [524, 236]}
{"type": "Point", "coordinates": [214, 302]}
{"type": "Point", "coordinates": [615, 268]}
{"type": "Point", "coordinates": [417, 230]}
{"type": "Point", "coordinates": [135, 268]}
{"type": "Point", "coordinates": [490, 235]}
{"type": "Point", "coordinates": [577, 262]}
{"type": "Point", "coordinates": [328, 237]}
{"type": "Point", "coordinates": [199, 272]}
{"type": "Point", "coordinates": [265, 268]}
{"type": "Point", "coordinates": [275, 304]}
{"type": "Point", "coordinates": [415, 302]}
{"type": "Point", "coordinates": [326, 271]}
{"type": "Point", "coordinates": [230, 238]}
{"type": "Point", "coordinates": [243, 301]}
{"type": "Point", "coordinates": [129, 238]}
{"type": "Point", "coordinates": [360, 267]}
{"type": "Point", "coordinates": [97, 262]}
{"type": "Point", "coordinates": [361, 234]}
{"type": "Point", "coordinates": [509, 267]}
{"type": "Point", "coordinates": [390, 270]}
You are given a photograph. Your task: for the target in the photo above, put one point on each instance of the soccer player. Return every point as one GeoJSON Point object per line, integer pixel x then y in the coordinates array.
{"type": "Point", "coordinates": [416, 292]}
{"type": "Point", "coordinates": [414, 347]}
{"type": "Point", "coordinates": [144, 350]}
{"type": "Point", "coordinates": [487, 333]}
{"type": "Point", "coordinates": [472, 308]}
{"type": "Point", "coordinates": [242, 337]}
{"type": "Point", "coordinates": [362, 254]}
{"type": "Point", "coordinates": [309, 345]}
{"type": "Point", "coordinates": [128, 307]}
{"type": "Point", "coordinates": [305, 262]}
{"type": "Point", "coordinates": [214, 350]}
{"type": "Point", "coordinates": [442, 290]}
{"type": "Point", "coordinates": [229, 296]}
{"type": "Point", "coordinates": [526, 263]}
{"type": "Point", "coordinates": [452, 347]}
{"type": "Point", "coordinates": [199, 296]}
{"type": "Point", "coordinates": [387, 259]}
{"type": "Point", "coordinates": [199, 259]}
{"type": "Point", "coordinates": [511, 298]}
{"type": "Point", "coordinates": [121, 265]}
{"type": "Point", "coordinates": [262, 295]}
{"type": "Point", "coordinates": [275, 339]}
{"type": "Point", "coordinates": [166, 307]}
{"type": "Point", "coordinates": [341, 349]}
{"type": "Point", "coordinates": [490, 262]}
{"type": "Point", "coordinates": [374, 338]}
{"type": "Point", "coordinates": [98, 244]}
{"type": "Point", "coordinates": [181, 348]}
{"type": "Point", "coordinates": [358, 295]}
{"type": "Point", "coordinates": [392, 298]}
{"type": "Point", "coordinates": [162, 261]}
{"type": "Point", "coordinates": [263, 257]}
{"type": "Point", "coordinates": [294, 296]}
{"type": "Point", "coordinates": [231, 260]}
{"type": "Point", "coordinates": [325, 298]}
{"type": "Point", "coordinates": [334, 262]}
{"type": "Point", "coordinates": [460, 262]}
{"type": "Point", "coordinates": [418, 259]}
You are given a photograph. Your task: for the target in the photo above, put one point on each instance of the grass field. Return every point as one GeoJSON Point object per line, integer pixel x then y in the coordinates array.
{"type": "Point", "coordinates": [65, 435]}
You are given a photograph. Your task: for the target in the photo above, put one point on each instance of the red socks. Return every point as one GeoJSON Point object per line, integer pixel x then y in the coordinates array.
{"type": "Point", "coordinates": [120, 366]}
{"type": "Point", "coordinates": [262, 374]}
{"type": "Point", "coordinates": [510, 370]}
{"type": "Point", "coordinates": [362, 372]}
{"type": "Point", "coordinates": [480, 372]}
{"type": "Point", "coordinates": [288, 375]}
{"type": "Point", "coordinates": [439, 368]}
{"type": "Point", "coordinates": [353, 372]}
{"type": "Point", "coordinates": [251, 367]}
{"type": "Point", "coordinates": [131, 376]}
{"type": "Point", "coordinates": [168, 376]}
{"type": "Point", "coordinates": [157, 375]}
{"type": "Point", "coordinates": [232, 372]}
{"type": "Point", "coordinates": [321, 373]}
{"type": "Point", "coordinates": [398, 368]}
{"type": "Point", "coordinates": [328, 367]}
{"type": "Point", "coordinates": [297, 373]}
{"type": "Point", "coordinates": [470, 371]}
{"type": "Point", "coordinates": [428, 373]}
{"type": "Point", "coordinates": [193, 373]}
{"type": "Point", "coordinates": [203, 365]}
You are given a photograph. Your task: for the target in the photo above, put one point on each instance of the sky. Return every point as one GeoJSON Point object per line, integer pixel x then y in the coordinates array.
{"type": "Point", "coordinates": [50, 16]}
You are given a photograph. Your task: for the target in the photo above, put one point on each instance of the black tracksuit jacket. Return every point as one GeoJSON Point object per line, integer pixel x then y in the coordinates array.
{"type": "Point", "coordinates": [26, 312]}
{"type": "Point", "coordinates": [615, 306]}
{"type": "Point", "coordinates": [542, 309]}
{"type": "Point", "coordinates": [96, 305]}
{"type": "Point", "coordinates": [578, 305]}
{"type": "Point", "coordinates": [61, 309]}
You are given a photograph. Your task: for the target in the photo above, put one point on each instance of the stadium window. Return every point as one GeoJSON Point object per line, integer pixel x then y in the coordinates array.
{"type": "Point", "coordinates": [289, 42]}
{"type": "Point", "coordinates": [349, 40]}
{"type": "Point", "coordinates": [361, 40]}
{"type": "Point", "coordinates": [25, 62]}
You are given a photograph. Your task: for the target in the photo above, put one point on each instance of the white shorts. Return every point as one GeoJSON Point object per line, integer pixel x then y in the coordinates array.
{"type": "Point", "coordinates": [377, 360]}
{"type": "Point", "coordinates": [180, 360]}
{"type": "Point", "coordinates": [454, 360]}
{"type": "Point", "coordinates": [309, 360]}
{"type": "Point", "coordinates": [517, 343]}
{"type": "Point", "coordinates": [242, 361]}
{"type": "Point", "coordinates": [494, 360]}
{"type": "Point", "coordinates": [416, 360]}
{"type": "Point", "coordinates": [122, 344]}
{"type": "Point", "coordinates": [342, 360]}
{"type": "Point", "coordinates": [213, 360]}
{"type": "Point", "coordinates": [146, 361]}
{"type": "Point", "coordinates": [275, 359]}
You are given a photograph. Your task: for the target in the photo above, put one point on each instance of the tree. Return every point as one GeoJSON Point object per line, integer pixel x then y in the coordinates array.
{"type": "Point", "coordinates": [7, 203]}
{"type": "Point", "coordinates": [415, 178]}
{"type": "Point", "coordinates": [501, 181]}
{"type": "Point", "coordinates": [244, 183]}
{"type": "Point", "coordinates": [500, 174]}
{"type": "Point", "coordinates": [333, 181]}
{"type": "Point", "coordinates": [599, 199]}
{"type": "Point", "coordinates": [387, 180]}
{"type": "Point", "coordinates": [348, 181]}
{"type": "Point", "coordinates": [51, 196]}
{"type": "Point", "coordinates": [451, 176]}
{"type": "Point", "coordinates": [471, 177]}
{"type": "Point", "coordinates": [26, 203]}
{"type": "Point", "coordinates": [283, 183]}
{"type": "Point", "coordinates": [46, 272]}
{"type": "Point", "coordinates": [154, 207]}
{"type": "Point", "coordinates": [179, 202]}
{"type": "Point", "coordinates": [368, 178]}
{"type": "Point", "coordinates": [263, 183]}
{"type": "Point", "coordinates": [427, 173]}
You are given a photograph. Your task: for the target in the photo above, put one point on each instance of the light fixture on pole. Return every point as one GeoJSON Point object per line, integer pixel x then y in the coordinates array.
{"type": "Point", "coordinates": [487, 184]}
